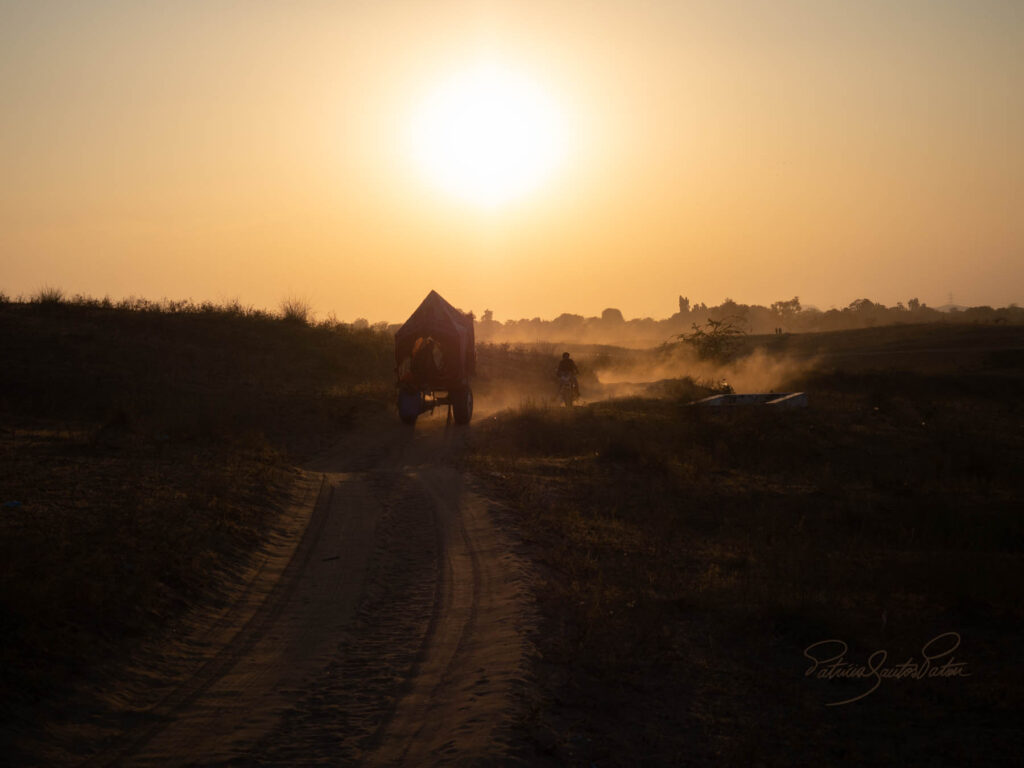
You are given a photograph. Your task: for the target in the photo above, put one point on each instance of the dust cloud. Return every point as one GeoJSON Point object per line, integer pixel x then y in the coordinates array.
{"type": "Point", "coordinates": [758, 371]}
{"type": "Point", "coordinates": [511, 378]}
{"type": "Point", "coordinates": [495, 398]}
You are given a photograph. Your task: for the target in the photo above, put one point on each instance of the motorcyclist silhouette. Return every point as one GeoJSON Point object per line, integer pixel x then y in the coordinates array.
{"type": "Point", "coordinates": [567, 367]}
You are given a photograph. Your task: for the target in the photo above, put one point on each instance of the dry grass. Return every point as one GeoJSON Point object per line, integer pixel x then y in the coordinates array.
{"type": "Point", "coordinates": [186, 371]}
{"type": "Point", "coordinates": [296, 310]}
{"type": "Point", "coordinates": [143, 447]}
{"type": "Point", "coordinates": [102, 544]}
{"type": "Point", "coordinates": [691, 555]}
{"type": "Point", "coordinates": [49, 296]}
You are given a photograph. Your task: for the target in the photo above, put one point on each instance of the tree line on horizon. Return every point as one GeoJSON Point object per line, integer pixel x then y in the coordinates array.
{"type": "Point", "coordinates": [784, 316]}
{"type": "Point", "coordinates": [611, 327]}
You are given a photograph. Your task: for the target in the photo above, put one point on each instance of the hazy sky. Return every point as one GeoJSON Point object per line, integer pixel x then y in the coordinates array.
{"type": "Point", "coordinates": [754, 150]}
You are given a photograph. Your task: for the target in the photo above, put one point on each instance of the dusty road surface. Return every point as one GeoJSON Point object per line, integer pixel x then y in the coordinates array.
{"type": "Point", "coordinates": [385, 624]}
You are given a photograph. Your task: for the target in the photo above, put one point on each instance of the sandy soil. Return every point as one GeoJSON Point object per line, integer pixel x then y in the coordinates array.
{"type": "Point", "coordinates": [385, 623]}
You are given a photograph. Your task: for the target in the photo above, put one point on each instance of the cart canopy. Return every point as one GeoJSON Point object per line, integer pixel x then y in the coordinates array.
{"type": "Point", "coordinates": [435, 319]}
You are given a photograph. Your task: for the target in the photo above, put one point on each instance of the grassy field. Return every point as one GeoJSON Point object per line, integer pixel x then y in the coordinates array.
{"type": "Point", "coordinates": [688, 558]}
{"type": "Point", "coordinates": [691, 556]}
{"type": "Point", "coordinates": [143, 449]}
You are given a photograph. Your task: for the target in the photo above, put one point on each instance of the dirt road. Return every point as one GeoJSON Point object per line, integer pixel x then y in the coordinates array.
{"type": "Point", "coordinates": [384, 625]}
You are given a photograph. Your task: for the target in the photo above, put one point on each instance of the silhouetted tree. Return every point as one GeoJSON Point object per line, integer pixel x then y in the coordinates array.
{"type": "Point", "coordinates": [861, 305]}
{"type": "Point", "coordinates": [716, 339]}
{"type": "Point", "coordinates": [784, 311]}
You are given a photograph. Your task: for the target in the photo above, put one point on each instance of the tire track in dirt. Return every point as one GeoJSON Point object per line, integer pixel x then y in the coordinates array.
{"type": "Point", "coordinates": [335, 721]}
{"type": "Point", "coordinates": [272, 658]}
{"type": "Point", "coordinates": [178, 700]}
{"type": "Point", "coordinates": [462, 698]}
{"type": "Point", "coordinates": [395, 636]}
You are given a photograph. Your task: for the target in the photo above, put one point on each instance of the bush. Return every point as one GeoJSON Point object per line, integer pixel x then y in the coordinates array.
{"type": "Point", "coordinates": [48, 295]}
{"type": "Point", "coordinates": [716, 339]}
{"type": "Point", "coordinates": [296, 310]}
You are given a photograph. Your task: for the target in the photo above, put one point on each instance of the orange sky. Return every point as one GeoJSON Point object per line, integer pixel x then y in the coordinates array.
{"type": "Point", "coordinates": [756, 150]}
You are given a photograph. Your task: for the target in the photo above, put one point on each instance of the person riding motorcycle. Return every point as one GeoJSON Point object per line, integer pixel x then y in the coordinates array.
{"type": "Point", "coordinates": [567, 367]}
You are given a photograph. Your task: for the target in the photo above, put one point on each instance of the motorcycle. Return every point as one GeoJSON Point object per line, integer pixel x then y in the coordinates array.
{"type": "Point", "coordinates": [568, 392]}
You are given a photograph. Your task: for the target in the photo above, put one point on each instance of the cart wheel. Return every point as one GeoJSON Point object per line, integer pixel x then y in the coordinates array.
{"type": "Point", "coordinates": [462, 405]}
{"type": "Point", "coordinates": [410, 406]}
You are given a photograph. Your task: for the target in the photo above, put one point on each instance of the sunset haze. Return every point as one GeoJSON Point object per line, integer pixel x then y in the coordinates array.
{"type": "Point", "coordinates": [750, 150]}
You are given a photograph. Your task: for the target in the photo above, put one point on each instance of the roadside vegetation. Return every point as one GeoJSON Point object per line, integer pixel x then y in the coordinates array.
{"type": "Point", "coordinates": [144, 448]}
{"type": "Point", "coordinates": [715, 339]}
{"type": "Point", "coordinates": [687, 556]}
{"type": "Point", "coordinates": [690, 555]}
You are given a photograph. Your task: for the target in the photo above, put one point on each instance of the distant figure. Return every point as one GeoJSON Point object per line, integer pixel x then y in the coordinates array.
{"type": "Point", "coordinates": [566, 367]}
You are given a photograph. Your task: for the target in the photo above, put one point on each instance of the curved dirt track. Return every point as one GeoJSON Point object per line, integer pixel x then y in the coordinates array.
{"type": "Point", "coordinates": [390, 632]}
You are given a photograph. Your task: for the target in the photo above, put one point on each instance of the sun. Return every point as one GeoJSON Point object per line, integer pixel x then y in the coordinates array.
{"type": "Point", "coordinates": [487, 135]}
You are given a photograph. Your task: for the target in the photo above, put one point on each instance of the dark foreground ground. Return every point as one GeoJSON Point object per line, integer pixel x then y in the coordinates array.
{"type": "Point", "coordinates": [692, 558]}
{"type": "Point", "coordinates": [684, 562]}
{"type": "Point", "coordinates": [145, 453]}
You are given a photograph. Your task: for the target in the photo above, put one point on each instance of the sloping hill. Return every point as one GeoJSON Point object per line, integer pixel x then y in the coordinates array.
{"type": "Point", "coordinates": [143, 450]}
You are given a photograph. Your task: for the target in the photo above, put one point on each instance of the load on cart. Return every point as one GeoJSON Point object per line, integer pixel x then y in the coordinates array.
{"type": "Point", "coordinates": [435, 355]}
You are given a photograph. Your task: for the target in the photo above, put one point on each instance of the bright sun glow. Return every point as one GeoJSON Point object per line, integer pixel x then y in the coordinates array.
{"type": "Point", "coordinates": [488, 136]}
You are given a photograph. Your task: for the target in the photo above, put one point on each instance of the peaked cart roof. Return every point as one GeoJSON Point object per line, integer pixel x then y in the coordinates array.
{"type": "Point", "coordinates": [435, 317]}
